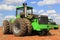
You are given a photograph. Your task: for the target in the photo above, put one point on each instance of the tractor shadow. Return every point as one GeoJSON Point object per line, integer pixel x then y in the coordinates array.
{"type": "Point", "coordinates": [8, 33]}
{"type": "Point", "coordinates": [35, 33]}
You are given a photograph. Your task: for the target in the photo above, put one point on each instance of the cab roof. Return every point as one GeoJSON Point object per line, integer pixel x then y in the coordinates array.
{"type": "Point", "coordinates": [21, 7]}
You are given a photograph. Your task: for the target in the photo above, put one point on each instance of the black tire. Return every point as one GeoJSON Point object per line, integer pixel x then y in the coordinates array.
{"type": "Point", "coordinates": [43, 32]}
{"type": "Point", "coordinates": [11, 25]}
{"type": "Point", "coordinates": [6, 27]}
{"type": "Point", "coordinates": [19, 27]}
{"type": "Point", "coordinates": [29, 26]}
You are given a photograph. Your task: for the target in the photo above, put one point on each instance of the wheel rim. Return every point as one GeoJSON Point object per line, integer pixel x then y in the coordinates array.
{"type": "Point", "coordinates": [16, 28]}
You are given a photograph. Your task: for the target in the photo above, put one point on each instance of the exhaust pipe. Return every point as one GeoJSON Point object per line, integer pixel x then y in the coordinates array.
{"type": "Point", "coordinates": [25, 9]}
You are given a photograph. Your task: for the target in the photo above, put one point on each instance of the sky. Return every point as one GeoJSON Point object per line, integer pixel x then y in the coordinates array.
{"type": "Point", "coordinates": [51, 8]}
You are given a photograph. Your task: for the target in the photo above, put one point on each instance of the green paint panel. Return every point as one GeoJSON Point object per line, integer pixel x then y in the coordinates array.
{"type": "Point", "coordinates": [39, 27]}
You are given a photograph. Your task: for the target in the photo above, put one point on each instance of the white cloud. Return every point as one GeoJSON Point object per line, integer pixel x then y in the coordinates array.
{"type": "Point", "coordinates": [1, 14]}
{"type": "Point", "coordinates": [1, 19]}
{"type": "Point", "coordinates": [52, 14]}
{"type": "Point", "coordinates": [51, 11]}
{"type": "Point", "coordinates": [7, 4]}
{"type": "Point", "coordinates": [58, 16]}
{"type": "Point", "coordinates": [9, 17]}
{"type": "Point", "coordinates": [58, 1]}
{"type": "Point", "coordinates": [6, 7]}
{"type": "Point", "coordinates": [48, 12]}
{"type": "Point", "coordinates": [13, 1]}
{"type": "Point", "coordinates": [34, 2]}
{"type": "Point", "coordinates": [34, 10]}
{"type": "Point", "coordinates": [48, 2]}
{"type": "Point", "coordinates": [44, 14]}
{"type": "Point", "coordinates": [40, 3]}
{"type": "Point", "coordinates": [41, 11]}
{"type": "Point", "coordinates": [57, 20]}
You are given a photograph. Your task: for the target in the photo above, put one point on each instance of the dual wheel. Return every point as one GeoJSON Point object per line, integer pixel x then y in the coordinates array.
{"type": "Point", "coordinates": [20, 27]}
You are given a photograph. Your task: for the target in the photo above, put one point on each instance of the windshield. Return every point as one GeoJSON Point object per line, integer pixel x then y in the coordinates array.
{"type": "Point", "coordinates": [29, 11]}
{"type": "Point", "coordinates": [19, 11]}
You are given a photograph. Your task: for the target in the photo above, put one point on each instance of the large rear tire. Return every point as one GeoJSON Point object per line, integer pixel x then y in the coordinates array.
{"type": "Point", "coordinates": [19, 27]}
{"type": "Point", "coordinates": [6, 27]}
{"type": "Point", "coordinates": [28, 24]}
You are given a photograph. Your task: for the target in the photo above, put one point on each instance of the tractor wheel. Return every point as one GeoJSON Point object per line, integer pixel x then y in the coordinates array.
{"type": "Point", "coordinates": [19, 27]}
{"type": "Point", "coordinates": [11, 25]}
{"type": "Point", "coordinates": [29, 26]}
{"type": "Point", "coordinates": [43, 32]}
{"type": "Point", "coordinates": [6, 27]}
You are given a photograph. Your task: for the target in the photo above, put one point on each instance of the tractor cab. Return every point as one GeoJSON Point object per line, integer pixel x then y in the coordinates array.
{"type": "Point", "coordinates": [24, 11]}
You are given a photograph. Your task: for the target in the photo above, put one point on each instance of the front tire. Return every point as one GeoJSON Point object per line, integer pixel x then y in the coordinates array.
{"type": "Point", "coordinates": [6, 28]}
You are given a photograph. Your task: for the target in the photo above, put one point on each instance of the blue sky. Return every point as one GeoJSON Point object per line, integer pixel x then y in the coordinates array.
{"type": "Point", "coordinates": [41, 7]}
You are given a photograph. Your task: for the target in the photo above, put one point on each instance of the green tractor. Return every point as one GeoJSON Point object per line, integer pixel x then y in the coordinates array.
{"type": "Point", "coordinates": [26, 21]}
{"type": "Point", "coordinates": [53, 24]}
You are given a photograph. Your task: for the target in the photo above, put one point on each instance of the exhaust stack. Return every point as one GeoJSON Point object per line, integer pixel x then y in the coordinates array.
{"type": "Point", "coordinates": [25, 9]}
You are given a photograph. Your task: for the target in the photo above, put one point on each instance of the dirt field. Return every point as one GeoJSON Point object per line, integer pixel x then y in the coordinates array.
{"type": "Point", "coordinates": [55, 35]}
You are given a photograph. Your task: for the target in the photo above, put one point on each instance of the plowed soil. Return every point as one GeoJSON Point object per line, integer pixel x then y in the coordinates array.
{"type": "Point", "coordinates": [54, 35]}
